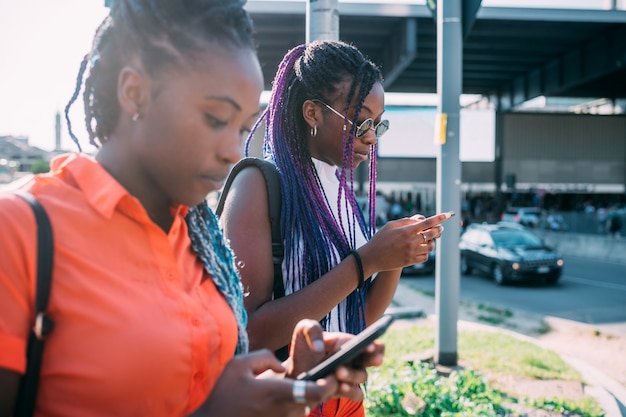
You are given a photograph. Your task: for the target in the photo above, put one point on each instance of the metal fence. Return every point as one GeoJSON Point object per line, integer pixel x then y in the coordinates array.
{"type": "Point", "coordinates": [588, 223]}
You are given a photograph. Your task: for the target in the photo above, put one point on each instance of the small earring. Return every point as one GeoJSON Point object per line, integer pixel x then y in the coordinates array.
{"type": "Point", "coordinates": [136, 117]}
{"type": "Point", "coordinates": [314, 131]}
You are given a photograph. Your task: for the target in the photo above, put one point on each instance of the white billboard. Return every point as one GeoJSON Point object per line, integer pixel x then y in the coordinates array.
{"type": "Point", "coordinates": [412, 134]}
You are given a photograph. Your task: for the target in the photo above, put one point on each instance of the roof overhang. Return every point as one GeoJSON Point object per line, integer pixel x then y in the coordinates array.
{"type": "Point", "coordinates": [510, 55]}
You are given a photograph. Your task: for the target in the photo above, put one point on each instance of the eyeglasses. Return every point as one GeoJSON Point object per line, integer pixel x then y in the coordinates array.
{"type": "Point", "coordinates": [366, 125]}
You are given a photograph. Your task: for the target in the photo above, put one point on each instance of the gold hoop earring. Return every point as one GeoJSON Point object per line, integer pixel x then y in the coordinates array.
{"type": "Point", "coordinates": [314, 131]}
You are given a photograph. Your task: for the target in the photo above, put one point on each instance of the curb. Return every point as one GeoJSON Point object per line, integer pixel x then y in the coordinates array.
{"type": "Point", "coordinates": [611, 395]}
{"type": "Point", "coordinates": [609, 329]}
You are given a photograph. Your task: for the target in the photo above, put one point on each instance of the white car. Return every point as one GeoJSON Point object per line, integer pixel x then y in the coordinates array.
{"type": "Point", "coordinates": [526, 216]}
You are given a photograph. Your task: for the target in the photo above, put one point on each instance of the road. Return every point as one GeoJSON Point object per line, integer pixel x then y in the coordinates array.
{"type": "Point", "coordinates": [588, 292]}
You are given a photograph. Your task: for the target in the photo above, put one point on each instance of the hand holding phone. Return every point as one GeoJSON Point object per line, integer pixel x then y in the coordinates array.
{"type": "Point", "coordinates": [428, 223]}
{"type": "Point", "coordinates": [349, 350]}
{"type": "Point", "coordinates": [435, 219]}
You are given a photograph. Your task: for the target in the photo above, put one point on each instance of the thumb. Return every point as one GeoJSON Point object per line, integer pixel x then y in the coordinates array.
{"type": "Point", "coordinates": [260, 361]}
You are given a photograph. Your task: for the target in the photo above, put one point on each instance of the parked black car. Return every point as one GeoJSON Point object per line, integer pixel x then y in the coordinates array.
{"type": "Point", "coordinates": [508, 252]}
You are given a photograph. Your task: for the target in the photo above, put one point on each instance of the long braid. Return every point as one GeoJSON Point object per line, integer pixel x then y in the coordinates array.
{"type": "Point", "coordinates": [164, 35]}
{"type": "Point", "coordinates": [209, 243]}
{"type": "Point", "coordinates": [79, 82]}
{"type": "Point", "coordinates": [347, 187]}
{"type": "Point", "coordinates": [313, 237]}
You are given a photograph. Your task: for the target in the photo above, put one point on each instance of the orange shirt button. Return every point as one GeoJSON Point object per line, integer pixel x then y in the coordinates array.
{"type": "Point", "coordinates": [195, 321]}
{"type": "Point", "coordinates": [198, 376]}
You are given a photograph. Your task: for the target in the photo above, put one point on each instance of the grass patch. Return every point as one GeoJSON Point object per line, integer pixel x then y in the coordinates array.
{"type": "Point", "coordinates": [407, 387]}
{"type": "Point", "coordinates": [545, 328]}
{"type": "Point", "coordinates": [584, 407]}
{"type": "Point", "coordinates": [426, 292]}
{"type": "Point", "coordinates": [503, 312]}
{"type": "Point", "coordinates": [491, 319]}
{"type": "Point", "coordinates": [501, 353]}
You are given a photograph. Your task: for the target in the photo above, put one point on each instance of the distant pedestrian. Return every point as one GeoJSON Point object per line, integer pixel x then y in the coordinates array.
{"type": "Point", "coordinates": [601, 215]}
{"type": "Point", "coordinates": [614, 224]}
{"type": "Point", "coordinates": [395, 212]}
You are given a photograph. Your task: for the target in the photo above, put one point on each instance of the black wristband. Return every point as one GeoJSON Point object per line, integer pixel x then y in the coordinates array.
{"type": "Point", "coordinates": [359, 266]}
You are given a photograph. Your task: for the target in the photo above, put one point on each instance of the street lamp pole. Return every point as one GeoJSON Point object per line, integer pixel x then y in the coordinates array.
{"type": "Point", "coordinates": [449, 89]}
{"type": "Point", "coordinates": [322, 20]}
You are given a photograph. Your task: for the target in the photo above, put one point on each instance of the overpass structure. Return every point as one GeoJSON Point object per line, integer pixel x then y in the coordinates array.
{"type": "Point", "coordinates": [510, 54]}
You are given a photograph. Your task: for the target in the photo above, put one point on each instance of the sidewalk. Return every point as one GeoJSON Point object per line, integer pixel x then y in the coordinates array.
{"type": "Point", "coordinates": [611, 395]}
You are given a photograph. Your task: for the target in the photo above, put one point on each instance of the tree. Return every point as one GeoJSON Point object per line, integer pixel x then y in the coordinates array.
{"type": "Point", "coordinates": [40, 166]}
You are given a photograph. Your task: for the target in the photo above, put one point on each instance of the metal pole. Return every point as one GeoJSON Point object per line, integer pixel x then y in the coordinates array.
{"type": "Point", "coordinates": [449, 88]}
{"type": "Point", "coordinates": [498, 163]}
{"type": "Point", "coordinates": [322, 20]}
{"type": "Point", "coordinates": [322, 23]}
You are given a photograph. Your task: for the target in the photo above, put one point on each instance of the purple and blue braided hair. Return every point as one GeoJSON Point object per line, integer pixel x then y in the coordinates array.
{"type": "Point", "coordinates": [315, 240]}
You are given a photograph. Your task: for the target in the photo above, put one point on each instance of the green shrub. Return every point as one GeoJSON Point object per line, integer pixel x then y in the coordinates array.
{"type": "Point", "coordinates": [417, 390]}
{"type": "Point", "coordinates": [407, 386]}
{"type": "Point", "coordinates": [40, 166]}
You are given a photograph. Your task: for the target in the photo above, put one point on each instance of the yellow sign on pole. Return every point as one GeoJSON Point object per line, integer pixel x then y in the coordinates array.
{"type": "Point", "coordinates": [441, 126]}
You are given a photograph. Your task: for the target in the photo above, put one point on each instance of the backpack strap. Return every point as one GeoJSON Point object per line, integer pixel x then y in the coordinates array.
{"type": "Point", "coordinates": [27, 394]}
{"type": "Point", "coordinates": [274, 198]}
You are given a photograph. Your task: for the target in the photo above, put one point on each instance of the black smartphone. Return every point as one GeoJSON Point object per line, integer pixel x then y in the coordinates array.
{"type": "Point", "coordinates": [349, 350]}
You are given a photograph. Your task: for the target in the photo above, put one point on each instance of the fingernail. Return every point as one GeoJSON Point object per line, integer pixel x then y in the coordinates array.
{"type": "Point", "coordinates": [318, 345]}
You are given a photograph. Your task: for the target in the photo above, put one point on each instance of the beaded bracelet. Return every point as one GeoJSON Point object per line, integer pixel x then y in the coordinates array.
{"type": "Point", "coordinates": [359, 265]}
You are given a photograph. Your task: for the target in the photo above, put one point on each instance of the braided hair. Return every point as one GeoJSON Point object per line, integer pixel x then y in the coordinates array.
{"type": "Point", "coordinates": [314, 72]}
{"type": "Point", "coordinates": [162, 34]}
{"type": "Point", "coordinates": [165, 35]}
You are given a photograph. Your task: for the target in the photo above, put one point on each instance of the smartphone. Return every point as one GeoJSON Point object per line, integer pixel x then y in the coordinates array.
{"type": "Point", "coordinates": [349, 350]}
{"type": "Point", "coordinates": [431, 218]}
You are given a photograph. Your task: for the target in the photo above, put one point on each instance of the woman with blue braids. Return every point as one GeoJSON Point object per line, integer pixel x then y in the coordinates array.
{"type": "Point", "coordinates": [324, 117]}
{"type": "Point", "coordinates": [145, 298]}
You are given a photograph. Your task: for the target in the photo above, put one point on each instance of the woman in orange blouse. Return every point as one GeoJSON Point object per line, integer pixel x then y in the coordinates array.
{"type": "Point", "coordinates": [147, 303]}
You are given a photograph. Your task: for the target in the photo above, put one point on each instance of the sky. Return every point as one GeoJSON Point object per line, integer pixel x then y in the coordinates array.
{"type": "Point", "coordinates": [42, 43]}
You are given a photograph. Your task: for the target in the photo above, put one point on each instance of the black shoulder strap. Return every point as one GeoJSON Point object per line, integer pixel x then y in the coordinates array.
{"type": "Point", "coordinates": [27, 395]}
{"type": "Point", "coordinates": [274, 198]}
